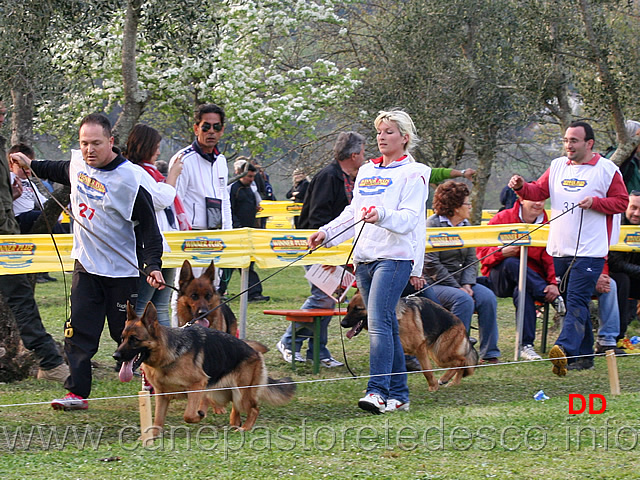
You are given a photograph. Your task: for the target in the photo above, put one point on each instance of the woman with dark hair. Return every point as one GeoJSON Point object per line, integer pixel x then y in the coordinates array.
{"type": "Point", "coordinates": [143, 149]}
{"type": "Point", "coordinates": [457, 289]}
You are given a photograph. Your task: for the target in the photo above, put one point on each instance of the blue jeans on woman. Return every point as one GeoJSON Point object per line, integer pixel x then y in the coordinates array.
{"type": "Point", "coordinates": [159, 298]}
{"type": "Point", "coordinates": [381, 283]}
{"type": "Point", "coordinates": [462, 305]}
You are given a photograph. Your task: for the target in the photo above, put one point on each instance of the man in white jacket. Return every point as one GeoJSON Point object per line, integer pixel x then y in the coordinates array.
{"type": "Point", "coordinates": [202, 186]}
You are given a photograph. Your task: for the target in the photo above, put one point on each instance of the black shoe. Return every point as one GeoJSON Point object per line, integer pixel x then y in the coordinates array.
{"type": "Point", "coordinates": [604, 348]}
{"type": "Point", "coordinates": [413, 365]}
{"type": "Point", "coordinates": [259, 298]}
{"type": "Point", "coordinates": [44, 278]}
{"type": "Point", "coordinates": [585, 363]}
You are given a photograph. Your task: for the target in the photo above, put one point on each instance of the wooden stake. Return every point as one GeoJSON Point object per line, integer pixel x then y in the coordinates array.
{"type": "Point", "coordinates": [612, 365]}
{"type": "Point", "coordinates": [146, 420]}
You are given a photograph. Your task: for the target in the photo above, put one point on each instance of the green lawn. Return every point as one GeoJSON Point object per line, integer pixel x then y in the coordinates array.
{"type": "Point", "coordinates": [488, 427]}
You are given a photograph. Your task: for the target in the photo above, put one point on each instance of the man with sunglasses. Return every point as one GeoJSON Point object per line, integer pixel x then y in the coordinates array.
{"type": "Point", "coordinates": [202, 186]}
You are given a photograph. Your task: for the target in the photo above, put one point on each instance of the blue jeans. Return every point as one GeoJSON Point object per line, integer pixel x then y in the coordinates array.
{"type": "Point", "coordinates": [576, 337]}
{"type": "Point", "coordinates": [463, 305]}
{"type": "Point", "coordinates": [504, 280]}
{"type": "Point", "coordinates": [317, 299]}
{"type": "Point", "coordinates": [381, 283]}
{"type": "Point", "coordinates": [609, 316]}
{"type": "Point", "coordinates": [160, 298]}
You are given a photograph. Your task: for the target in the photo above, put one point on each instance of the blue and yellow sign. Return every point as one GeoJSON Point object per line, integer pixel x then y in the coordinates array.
{"type": "Point", "coordinates": [518, 237]}
{"type": "Point", "coordinates": [204, 249]}
{"type": "Point", "coordinates": [445, 240]}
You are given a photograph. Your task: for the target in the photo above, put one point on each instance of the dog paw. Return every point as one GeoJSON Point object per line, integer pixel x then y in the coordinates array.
{"type": "Point", "coordinates": [219, 410]}
{"type": "Point", "coordinates": [433, 388]}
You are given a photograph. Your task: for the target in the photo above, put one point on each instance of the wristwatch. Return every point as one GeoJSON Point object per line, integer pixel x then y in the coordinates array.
{"type": "Point", "coordinates": [462, 172]}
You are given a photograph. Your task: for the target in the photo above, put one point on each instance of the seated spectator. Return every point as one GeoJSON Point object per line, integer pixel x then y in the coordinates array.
{"type": "Point", "coordinates": [502, 268]}
{"type": "Point", "coordinates": [28, 206]}
{"type": "Point", "coordinates": [624, 267]}
{"type": "Point", "coordinates": [457, 289]}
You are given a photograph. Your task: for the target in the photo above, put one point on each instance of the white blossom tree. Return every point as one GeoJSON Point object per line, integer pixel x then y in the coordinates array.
{"type": "Point", "coordinates": [248, 56]}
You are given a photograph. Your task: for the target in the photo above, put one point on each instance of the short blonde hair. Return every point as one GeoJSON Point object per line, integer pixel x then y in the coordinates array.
{"type": "Point", "coordinates": [404, 123]}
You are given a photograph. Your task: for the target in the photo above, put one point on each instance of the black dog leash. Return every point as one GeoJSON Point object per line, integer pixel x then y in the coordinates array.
{"type": "Point", "coordinates": [104, 242]}
{"type": "Point", "coordinates": [205, 314]}
{"type": "Point", "coordinates": [524, 235]}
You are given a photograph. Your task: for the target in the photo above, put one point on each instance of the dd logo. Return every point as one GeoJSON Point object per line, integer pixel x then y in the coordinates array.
{"type": "Point", "coordinates": [583, 404]}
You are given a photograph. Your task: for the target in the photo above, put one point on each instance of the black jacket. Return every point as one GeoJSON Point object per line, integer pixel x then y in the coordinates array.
{"type": "Point", "coordinates": [243, 205]}
{"type": "Point", "coordinates": [625, 262]}
{"type": "Point", "coordinates": [325, 198]}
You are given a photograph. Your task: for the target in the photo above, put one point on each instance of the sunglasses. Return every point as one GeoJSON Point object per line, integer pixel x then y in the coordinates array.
{"type": "Point", "coordinates": [206, 126]}
{"type": "Point", "coordinates": [634, 193]}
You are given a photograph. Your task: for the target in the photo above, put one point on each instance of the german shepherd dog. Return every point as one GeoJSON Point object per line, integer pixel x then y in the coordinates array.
{"type": "Point", "coordinates": [426, 329]}
{"type": "Point", "coordinates": [196, 358]}
{"type": "Point", "coordinates": [197, 296]}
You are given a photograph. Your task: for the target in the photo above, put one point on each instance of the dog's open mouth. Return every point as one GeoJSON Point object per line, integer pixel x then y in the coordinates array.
{"type": "Point", "coordinates": [127, 368]}
{"type": "Point", "coordinates": [355, 330]}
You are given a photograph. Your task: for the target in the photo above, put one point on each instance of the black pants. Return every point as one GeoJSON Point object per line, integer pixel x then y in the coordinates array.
{"type": "Point", "coordinates": [626, 289]}
{"type": "Point", "coordinates": [18, 293]}
{"type": "Point", "coordinates": [92, 298]}
{"type": "Point", "coordinates": [255, 287]}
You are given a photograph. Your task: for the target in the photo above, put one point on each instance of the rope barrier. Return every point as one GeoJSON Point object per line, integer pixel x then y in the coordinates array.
{"type": "Point", "coordinates": [323, 380]}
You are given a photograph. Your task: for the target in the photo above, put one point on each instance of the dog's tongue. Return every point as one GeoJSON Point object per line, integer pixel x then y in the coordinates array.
{"type": "Point", "coordinates": [204, 322]}
{"type": "Point", "coordinates": [351, 333]}
{"type": "Point", "coordinates": [126, 371]}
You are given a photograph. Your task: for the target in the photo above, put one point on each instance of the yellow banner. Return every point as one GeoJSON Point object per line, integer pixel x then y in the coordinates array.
{"type": "Point", "coordinates": [270, 248]}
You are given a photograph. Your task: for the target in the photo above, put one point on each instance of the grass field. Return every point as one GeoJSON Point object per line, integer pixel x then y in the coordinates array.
{"type": "Point", "coordinates": [488, 427]}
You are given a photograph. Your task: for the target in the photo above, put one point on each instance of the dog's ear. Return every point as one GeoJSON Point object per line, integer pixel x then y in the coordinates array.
{"type": "Point", "coordinates": [186, 275]}
{"type": "Point", "coordinates": [131, 312]}
{"type": "Point", "coordinates": [210, 272]}
{"type": "Point", "coordinates": [150, 316]}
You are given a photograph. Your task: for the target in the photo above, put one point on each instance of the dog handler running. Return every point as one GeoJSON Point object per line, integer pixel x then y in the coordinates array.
{"type": "Point", "coordinates": [107, 199]}
{"type": "Point", "coordinates": [390, 194]}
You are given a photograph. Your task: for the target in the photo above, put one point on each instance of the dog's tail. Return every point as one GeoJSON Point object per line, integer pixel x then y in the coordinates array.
{"type": "Point", "coordinates": [278, 392]}
{"type": "Point", "coordinates": [257, 346]}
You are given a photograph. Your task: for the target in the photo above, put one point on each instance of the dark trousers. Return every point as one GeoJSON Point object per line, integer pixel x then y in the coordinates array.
{"type": "Point", "coordinates": [255, 287]}
{"type": "Point", "coordinates": [504, 282]}
{"type": "Point", "coordinates": [576, 337]}
{"type": "Point", "coordinates": [18, 293]}
{"type": "Point", "coordinates": [626, 290]}
{"type": "Point", "coordinates": [92, 298]}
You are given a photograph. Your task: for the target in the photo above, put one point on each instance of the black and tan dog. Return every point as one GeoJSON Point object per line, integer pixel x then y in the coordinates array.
{"type": "Point", "coordinates": [426, 330]}
{"type": "Point", "coordinates": [198, 298]}
{"type": "Point", "coordinates": [194, 359]}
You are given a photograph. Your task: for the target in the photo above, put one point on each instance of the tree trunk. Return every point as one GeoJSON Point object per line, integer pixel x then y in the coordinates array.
{"type": "Point", "coordinates": [52, 210]}
{"type": "Point", "coordinates": [22, 117]}
{"type": "Point", "coordinates": [15, 360]}
{"type": "Point", "coordinates": [486, 151]}
{"type": "Point", "coordinates": [134, 99]}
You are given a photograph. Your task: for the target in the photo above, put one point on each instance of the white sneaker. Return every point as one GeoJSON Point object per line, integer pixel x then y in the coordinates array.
{"type": "Point", "coordinates": [394, 405]}
{"type": "Point", "coordinates": [286, 353]}
{"type": "Point", "coordinates": [372, 402]}
{"type": "Point", "coordinates": [330, 362]}
{"type": "Point", "coordinates": [528, 353]}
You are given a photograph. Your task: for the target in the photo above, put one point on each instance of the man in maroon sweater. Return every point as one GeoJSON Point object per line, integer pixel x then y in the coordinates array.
{"type": "Point", "coordinates": [502, 269]}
